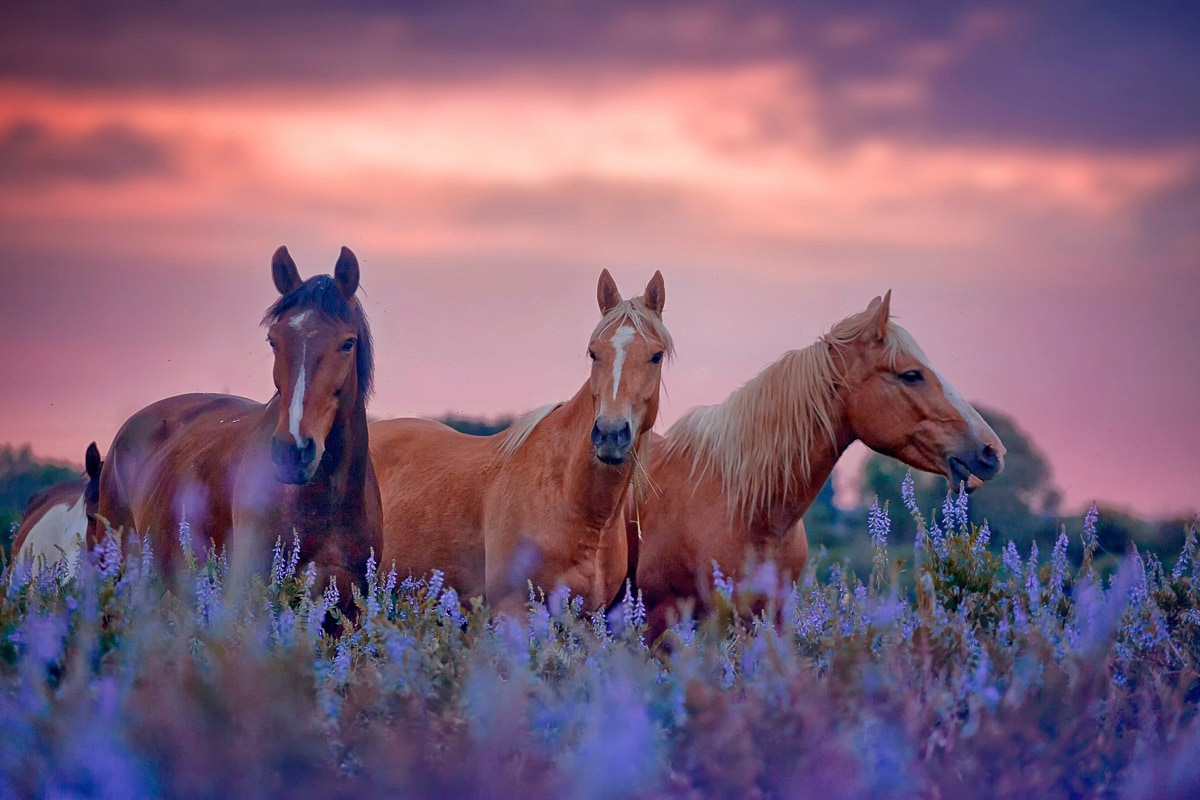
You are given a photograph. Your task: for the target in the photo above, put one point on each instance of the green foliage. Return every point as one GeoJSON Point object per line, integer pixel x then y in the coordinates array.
{"type": "Point", "coordinates": [21, 477]}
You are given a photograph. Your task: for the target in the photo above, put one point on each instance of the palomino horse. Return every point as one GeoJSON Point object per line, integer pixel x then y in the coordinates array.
{"type": "Point", "coordinates": [541, 501]}
{"type": "Point", "coordinates": [733, 480]}
{"type": "Point", "coordinates": [60, 520]}
{"type": "Point", "coordinates": [232, 467]}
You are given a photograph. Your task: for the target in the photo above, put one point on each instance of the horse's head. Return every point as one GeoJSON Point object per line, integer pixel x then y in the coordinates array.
{"type": "Point", "coordinates": [900, 406]}
{"type": "Point", "coordinates": [323, 364]}
{"type": "Point", "coordinates": [627, 350]}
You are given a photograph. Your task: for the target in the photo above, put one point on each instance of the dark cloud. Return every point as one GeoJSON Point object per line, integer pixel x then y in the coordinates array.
{"type": "Point", "coordinates": [30, 154]}
{"type": "Point", "coordinates": [1096, 73]}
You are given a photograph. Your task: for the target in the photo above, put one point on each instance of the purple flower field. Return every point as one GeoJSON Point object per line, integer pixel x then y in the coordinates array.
{"type": "Point", "coordinates": [951, 670]}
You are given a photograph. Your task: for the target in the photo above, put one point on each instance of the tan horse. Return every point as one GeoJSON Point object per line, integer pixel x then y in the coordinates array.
{"type": "Point", "coordinates": [541, 501]}
{"type": "Point", "coordinates": [60, 520]}
{"type": "Point", "coordinates": [731, 482]}
{"type": "Point", "coordinates": [249, 472]}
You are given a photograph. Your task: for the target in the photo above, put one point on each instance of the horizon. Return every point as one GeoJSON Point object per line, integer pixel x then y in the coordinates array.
{"type": "Point", "coordinates": [1026, 181]}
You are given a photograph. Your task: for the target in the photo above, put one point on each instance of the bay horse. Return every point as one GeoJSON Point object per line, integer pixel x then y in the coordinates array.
{"type": "Point", "coordinates": [244, 472]}
{"type": "Point", "coordinates": [733, 480]}
{"type": "Point", "coordinates": [540, 502]}
{"type": "Point", "coordinates": [60, 520]}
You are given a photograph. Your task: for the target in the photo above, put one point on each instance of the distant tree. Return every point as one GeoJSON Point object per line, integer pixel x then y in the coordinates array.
{"type": "Point", "coordinates": [822, 516]}
{"type": "Point", "coordinates": [476, 426]}
{"type": "Point", "coordinates": [1020, 503]}
{"type": "Point", "coordinates": [21, 477]}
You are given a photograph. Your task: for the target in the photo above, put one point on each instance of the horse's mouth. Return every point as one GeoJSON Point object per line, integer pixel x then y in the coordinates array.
{"type": "Point", "coordinates": [960, 473]}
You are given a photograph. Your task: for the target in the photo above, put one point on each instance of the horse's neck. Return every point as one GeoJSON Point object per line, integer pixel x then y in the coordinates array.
{"type": "Point", "coordinates": [780, 514]}
{"type": "Point", "coordinates": [597, 489]}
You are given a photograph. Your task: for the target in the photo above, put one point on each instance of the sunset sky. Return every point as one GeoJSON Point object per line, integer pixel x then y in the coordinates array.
{"type": "Point", "coordinates": [1025, 179]}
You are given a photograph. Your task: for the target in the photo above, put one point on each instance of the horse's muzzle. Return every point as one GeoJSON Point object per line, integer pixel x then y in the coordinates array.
{"type": "Point", "coordinates": [294, 463]}
{"type": "Point", "coordinates": [612, 439]}
{"type": "Point", "coordinates": [983, 461]}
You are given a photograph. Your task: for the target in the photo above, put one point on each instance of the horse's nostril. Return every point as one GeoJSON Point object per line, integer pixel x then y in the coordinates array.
{"type": "Point", "coordinates": [989, 457]}
{"type": "Point", "coordinates": [624, 436]}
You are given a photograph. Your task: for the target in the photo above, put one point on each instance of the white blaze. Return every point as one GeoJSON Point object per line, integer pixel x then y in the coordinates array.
{"type": "Point", "coordinates": [620, 341]}
{"type": "Point", "coordinates": [299, 319]}
{"type": "Point", "coordinates": [978, 426]}
{"type": "Point", "coordinates": [296, 410]}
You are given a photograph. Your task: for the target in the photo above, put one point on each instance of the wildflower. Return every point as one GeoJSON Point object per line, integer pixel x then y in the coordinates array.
{"type": "Point", "coordinates": [436, 581]}
{"type": "Point", "coordinates": [722, 585]}
{"type": "Point", "coordinates": [1033, 586]}
{"type": "Point", "coordinates": [277, 564]}
{"type": "Point", "coordinates": [961, 514]}
{"type": "Point", "coordinates": [1188, 553]}
{"type": "Point", "coordinates": [1011, 560]}
{"type": "Point", "coordinates": [185, 540]}
{"type": "Point", "coordinates": [1058, 564]}
{"type": "Point", "coordinates": [109, 554]}
{"type": "Point", "coordinates": [449, 607]}
{"type": "Point", "coordinates": [341, 660]}
{"type": "Point", "coordinates": [294, 557]}
{"type": "Point", "coordinates": [879, 524]}
{"type": "Point", "coordinates": [908, 494]}
{"type": "Point", "coordinates": [937, 539]}
{"type": "Point", "coordinates": [982, 537]}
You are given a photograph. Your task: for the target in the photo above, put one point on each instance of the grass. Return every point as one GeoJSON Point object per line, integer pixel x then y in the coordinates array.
{"type": "Point", "coordinates": [949, 670]}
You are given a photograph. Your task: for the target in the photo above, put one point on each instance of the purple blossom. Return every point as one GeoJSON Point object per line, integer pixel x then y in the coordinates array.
{"type": "Point", "coordinates": [961, 512]}
{"type": "Point", "coordinates": [722, 584]}
{"type": "Point", "coordinates": [908, 493]}
{"type": "Point", "coordinates": [1033, 586]}
{"type": "Point", "coordinates": [450, 608]}
{"type": "Point", "coordinates": [434, 588]}
{"type": "Point", "coordinates": [879, 524]}
{"type": "Point", "coordinates": [277, 564]}
{"type": "Point", "coordinates": [982, 537]}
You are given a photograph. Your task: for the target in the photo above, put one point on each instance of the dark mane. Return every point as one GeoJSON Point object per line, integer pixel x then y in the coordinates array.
{"type": "Point", "coordinates": [320, 293]}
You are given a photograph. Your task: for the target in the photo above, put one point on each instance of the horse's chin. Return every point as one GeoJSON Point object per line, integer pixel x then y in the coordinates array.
{"type": "Point", "coordinates": [611, 459]}
{"type": "Point", "coordinates": [957, 472]}
{"type": "Point", "coordinates": [293, 477]}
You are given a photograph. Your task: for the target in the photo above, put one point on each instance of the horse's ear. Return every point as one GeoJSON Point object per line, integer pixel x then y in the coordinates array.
{"type": "Point", "coordinates": [606, 293]}
{"type": "Point", "coordinates": [655, 295]}
{"type": "Point", "coordinates": [283, 270]}
{"type": "Point", "coordinates": [882, 308]}
{"type": "Point", "coordinates": [91, 460]}
{"type": "Point", "coordinates": [345, 273]}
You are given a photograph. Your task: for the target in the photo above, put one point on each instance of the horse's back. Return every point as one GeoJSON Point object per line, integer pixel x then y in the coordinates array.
{"type": "Point", "coordinates": [176, 446]}
{"type": "Point", "coordinates": [54, 524]}
{"type": "Point", "coordinates": [432, 480]}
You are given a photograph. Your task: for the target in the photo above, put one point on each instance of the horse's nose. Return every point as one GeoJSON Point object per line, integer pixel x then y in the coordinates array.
{"type": "Point", "coordinates": [291, 453]}
{"type": "Point", "coordinates": [990, 459]}
{"type": "Point", "coordinates": [611, 439]}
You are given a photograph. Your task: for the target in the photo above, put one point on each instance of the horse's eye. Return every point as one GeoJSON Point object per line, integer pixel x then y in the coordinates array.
{"type": "Point", "coordinates": [348, 345]}
{"type": "Point", "coordinates": [912, 377]}
{"type": "Point", "coordinates": [592, 355]}
{"type": "Point", "coordinates": [657, 357]}
{"type": "Point", "coordinates": [271, 342]}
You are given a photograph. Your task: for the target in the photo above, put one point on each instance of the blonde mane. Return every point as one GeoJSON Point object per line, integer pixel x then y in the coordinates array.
{"type": "Point", "coordinates": [753, 439]}
{"type": "Point", "coordinates": [644, 321]}
{"type": "Point", "coordinates": [521, 428]}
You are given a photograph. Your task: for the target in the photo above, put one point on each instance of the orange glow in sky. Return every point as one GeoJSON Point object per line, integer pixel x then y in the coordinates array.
{"type": "Point", "coordinates": [1048, 270]}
